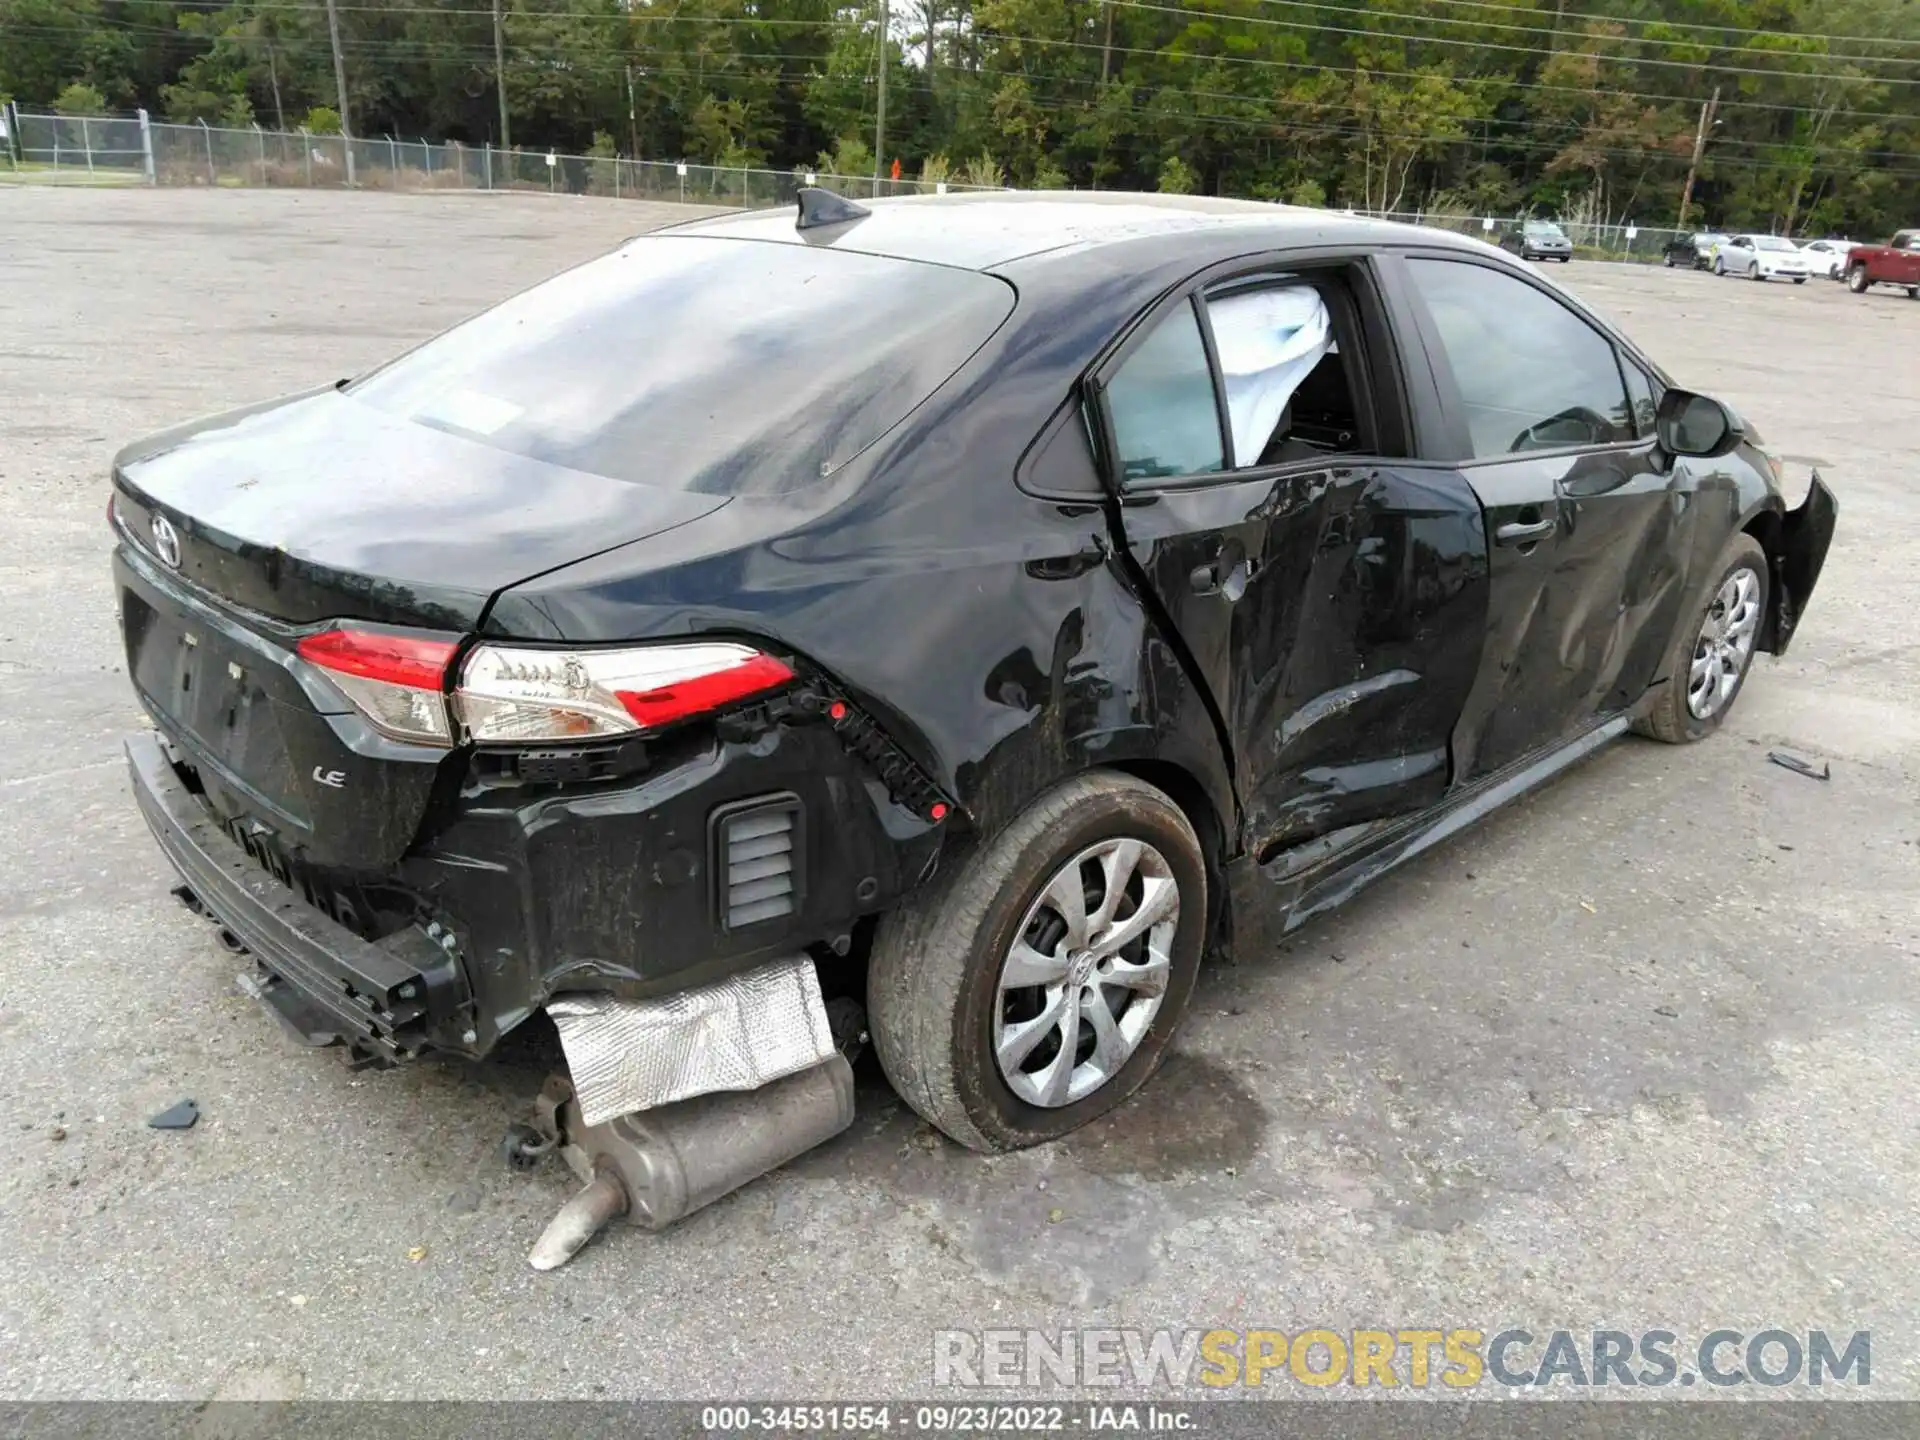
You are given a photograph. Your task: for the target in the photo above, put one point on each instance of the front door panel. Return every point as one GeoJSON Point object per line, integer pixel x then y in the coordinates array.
{"type": "Point", "coordinates": [1579, 618]}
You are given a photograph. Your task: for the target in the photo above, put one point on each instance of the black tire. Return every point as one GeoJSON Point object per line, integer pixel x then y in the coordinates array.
{"type": "Point", "coordinates": [1755, 273]}
{"type": "Point", "coordinates": [1719, 267]}
{"type": "Point", "coordinates": [1799, 279]}
{"type": "Point", "coordinates": [1668, 262]}
{"type": "Point", "coordinates": [1667, 716]}
{"type": "Point", "coordinates": [1857, 280]}
{"type": "Point", "coordinates": [1913, 292]}
{"type": "Point", "coordinates": [933, 981]}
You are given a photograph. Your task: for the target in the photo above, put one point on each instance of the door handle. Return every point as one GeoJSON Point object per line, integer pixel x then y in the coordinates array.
{"type": "Point", "coordinates": [1226, 575]}
{"type": "Point", "coordinates": [1522, 532]}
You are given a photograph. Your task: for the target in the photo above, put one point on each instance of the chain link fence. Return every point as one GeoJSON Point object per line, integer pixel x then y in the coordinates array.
{"type": "Point", "coordinates": [72, 149]}
{"type": "Point", "coordinates": [109, 150]}
{"type": "Point", "coordinates": [1591, 240]}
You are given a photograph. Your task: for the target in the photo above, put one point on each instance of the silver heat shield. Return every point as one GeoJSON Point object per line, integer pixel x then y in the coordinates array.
{"type": "Point", "coordinates": [736, 1034]}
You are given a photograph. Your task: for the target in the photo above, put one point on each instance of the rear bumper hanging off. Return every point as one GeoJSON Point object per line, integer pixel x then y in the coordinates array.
{"type": "Point", "coordinates": [389, 999]}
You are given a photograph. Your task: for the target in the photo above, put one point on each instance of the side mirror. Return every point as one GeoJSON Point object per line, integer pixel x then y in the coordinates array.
{"type": "Point", "coordinates": [1698, 425]}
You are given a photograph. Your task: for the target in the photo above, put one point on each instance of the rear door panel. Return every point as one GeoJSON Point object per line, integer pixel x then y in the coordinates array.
{"type": "Point", "coordinates": [1335, 613]}
{"type": "Point", "coordinates": [1343, 642]}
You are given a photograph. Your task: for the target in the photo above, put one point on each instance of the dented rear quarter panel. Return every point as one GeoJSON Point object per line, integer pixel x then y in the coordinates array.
{"type": "Point", "coordinates": [993, 632]}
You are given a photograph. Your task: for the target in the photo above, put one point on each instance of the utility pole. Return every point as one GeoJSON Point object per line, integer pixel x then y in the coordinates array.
{"type": "Point", "coordinates": [1699, 146]}
{"type": "Point", "coordinates": [880, 116]}
{"type": "Point", "coordinates": [1106, 44]}
{"type": "Point", "coordinates": [633, 118]}
{"type": "Point", "coordinates": [340, 83]}
{"type": "Point", "coordinates": [273, 76]}
{"type": "Point", "coordinates": [500, 74]}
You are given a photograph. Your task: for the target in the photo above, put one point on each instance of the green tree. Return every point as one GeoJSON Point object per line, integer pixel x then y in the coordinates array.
{"type": "Point", "coordinates": [79, 98]}
{"type": "Point", "coordinates": [1177, 177]}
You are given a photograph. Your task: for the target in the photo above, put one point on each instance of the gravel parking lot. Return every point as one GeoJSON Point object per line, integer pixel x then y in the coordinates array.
{"type": "Point", "coordinates": [1637, 1053]}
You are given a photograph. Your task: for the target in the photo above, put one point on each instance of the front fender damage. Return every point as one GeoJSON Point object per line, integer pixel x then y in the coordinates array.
{"type": "Point", "coordinates": [1796, 553]}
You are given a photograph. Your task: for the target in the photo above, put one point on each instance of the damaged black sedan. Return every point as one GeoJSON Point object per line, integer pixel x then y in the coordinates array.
{"type": "Point", "coordinates": [977, 610]}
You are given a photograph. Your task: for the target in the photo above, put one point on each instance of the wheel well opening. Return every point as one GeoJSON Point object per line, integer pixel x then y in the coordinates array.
{"type": "Point", "coordinates": [1184, 790]}
{"type": "Point", "coordinates": [1765, 528]}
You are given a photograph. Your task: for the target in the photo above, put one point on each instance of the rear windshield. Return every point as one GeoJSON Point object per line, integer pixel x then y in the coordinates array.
{"type": "Point", "coordinates": [728, 367]}
{"type": "Point", "coordinates": [1773, 242]}
{"type": "Point", "coordinates": [1542, 227]}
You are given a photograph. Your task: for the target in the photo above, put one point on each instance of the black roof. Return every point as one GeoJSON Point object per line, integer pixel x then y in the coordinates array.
{"type": "Point", "coordinates": [984, 230]}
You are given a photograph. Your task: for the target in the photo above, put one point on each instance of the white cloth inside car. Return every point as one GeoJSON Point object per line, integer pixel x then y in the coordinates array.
{"type": "Point", "coordinates": [1268, 341]}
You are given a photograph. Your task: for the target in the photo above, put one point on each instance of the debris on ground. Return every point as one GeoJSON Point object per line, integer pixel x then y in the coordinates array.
{"type": "Point", "coordinates": [1788, 761]}
{"type": "Point", "coordinates": [176, 1117]}
{"type": "Point", "coordinates": [417, 1254]}
{"type": "Point", "coordinates": [1666, 1010]}
{"type": "Point", "coordinates": [59, 1132]}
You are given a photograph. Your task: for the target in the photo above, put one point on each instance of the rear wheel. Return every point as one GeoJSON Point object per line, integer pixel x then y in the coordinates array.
{"type": "Point", "coordinates": [1799, 279]}
{"type": "Point", "coordinates": [1668, 262]}
{"type": "Point", "coordinates": [1857, 279]}
{"type": "Point", "coordinates": [1036, 985]}
{"type": "Point", "coordinates": [1713, 649]}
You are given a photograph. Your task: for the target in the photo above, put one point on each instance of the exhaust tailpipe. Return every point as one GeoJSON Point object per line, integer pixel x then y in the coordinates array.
{"type": "Point", "coordinates": [658, 1166]}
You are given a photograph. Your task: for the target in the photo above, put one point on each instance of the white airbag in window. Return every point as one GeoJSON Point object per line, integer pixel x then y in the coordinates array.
{"type": "Point", "coordinates": [1269, 342]}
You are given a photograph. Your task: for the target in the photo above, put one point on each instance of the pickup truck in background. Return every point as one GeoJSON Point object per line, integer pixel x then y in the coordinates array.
{"type": "Point", "coordinates": [1895, 264]}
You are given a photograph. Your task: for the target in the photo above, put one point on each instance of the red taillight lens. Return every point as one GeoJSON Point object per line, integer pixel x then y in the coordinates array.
{"type": "Point", "coordinates": [394, 680]}
{"type": "Point", "coordinates": [663, 704]}
{"type": "Point", "coordinates": [395, 659]}
{"type": "Point", "coordinates": [507, 693]}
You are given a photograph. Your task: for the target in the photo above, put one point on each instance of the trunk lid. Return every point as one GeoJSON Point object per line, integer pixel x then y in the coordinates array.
{"type": "Point", "coordinates": [321, 507]}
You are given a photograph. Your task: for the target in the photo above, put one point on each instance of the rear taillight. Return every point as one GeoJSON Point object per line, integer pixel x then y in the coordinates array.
{"type": "Point", "coordinates": [396, 681]}
{"type": "Point", "coordinates": [509, 694]}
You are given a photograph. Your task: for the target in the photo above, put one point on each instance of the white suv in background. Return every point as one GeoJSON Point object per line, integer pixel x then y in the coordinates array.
{"type": "Point", "coordinates": [1762, 257]}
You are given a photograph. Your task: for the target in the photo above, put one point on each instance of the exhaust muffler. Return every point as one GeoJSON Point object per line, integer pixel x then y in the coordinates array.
{"type": "Point", "coordinates": [658, 1166]}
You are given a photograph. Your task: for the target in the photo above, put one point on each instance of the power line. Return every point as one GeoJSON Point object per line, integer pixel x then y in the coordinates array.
{"type": "Point", "coordinates": [1506, 82]}
{"type": "Point", "coordinates": [1510, 49]}
{"type": "Point", "coordinates": [1551, 33]}
{"type": "Point", "coordinates": [1578, 16]}
{"type": "Point", "coordinates": [445, 49]}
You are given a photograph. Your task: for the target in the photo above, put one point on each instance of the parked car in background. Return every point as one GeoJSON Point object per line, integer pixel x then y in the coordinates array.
{"type": "Point", "coordinates": [1895, 264]}
{"type": "Point", "coordinates": [1696, 251]}
{"type": "Point", "coordinates": [1827, 257]}
{"type": "Point", "coordinates": [1762, 257]}
{"type": "Point", "coordinates": [1538, 240]}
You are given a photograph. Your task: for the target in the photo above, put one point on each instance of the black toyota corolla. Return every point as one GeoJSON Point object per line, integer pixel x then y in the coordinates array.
{"type": "Point", "coordinates": [1005, 601]}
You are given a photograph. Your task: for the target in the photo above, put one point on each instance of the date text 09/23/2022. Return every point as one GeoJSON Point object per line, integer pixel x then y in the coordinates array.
{"type": "Point", "coordinates": [944, 1419]}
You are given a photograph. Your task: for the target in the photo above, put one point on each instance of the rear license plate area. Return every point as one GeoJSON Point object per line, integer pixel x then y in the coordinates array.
{"type": "Point", "coordinates": [209, 691]}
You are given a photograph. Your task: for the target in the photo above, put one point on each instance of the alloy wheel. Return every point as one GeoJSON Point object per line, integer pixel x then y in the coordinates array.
{"type": "Point", "coordinates": [1725, 644]}
{"type": "Point", "coordinates": [1086, 973]}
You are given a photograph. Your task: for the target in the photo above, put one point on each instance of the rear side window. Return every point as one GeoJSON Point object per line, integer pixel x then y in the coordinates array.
{"type": "Point", "coordinates": [728, 367]}
{"type": "Point", "coordinates": [1165, 420]}
{"type": "Point", "coordinates": [1532, 374]}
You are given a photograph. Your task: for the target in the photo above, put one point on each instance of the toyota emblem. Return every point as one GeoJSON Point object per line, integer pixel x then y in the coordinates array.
{"type": "Point", "coordinates": [166, 541]}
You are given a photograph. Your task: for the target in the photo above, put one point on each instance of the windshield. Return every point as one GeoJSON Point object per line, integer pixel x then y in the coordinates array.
{"type": "Point", "coordinates": [1546, 229]}
{"type": "Point", "coordinates": [728, 367]}
{"type": "Point", "coordinates": [1773, 242]}
{"type": "Point", "coordinates": [1709, 237]}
